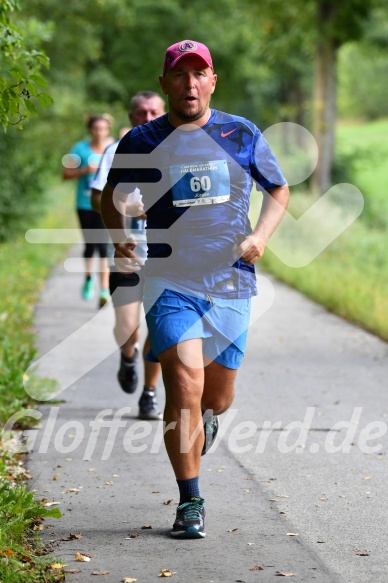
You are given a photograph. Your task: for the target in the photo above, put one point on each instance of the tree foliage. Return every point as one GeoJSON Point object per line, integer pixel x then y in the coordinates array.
{"type": "Point", "coordinates": [21, 82]}
{"type": "Point", "coordinates": [103, 51]}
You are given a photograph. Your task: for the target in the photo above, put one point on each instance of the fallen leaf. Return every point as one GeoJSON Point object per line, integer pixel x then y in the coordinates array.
{"type": "Point", "coordinates": [232, 529]}
{"type": "Point", "coordinates": [168, 501]}
{"type": "Point", "coordinates": [8, 553]}
{"type": "Point", "coordinates": [256, 568]}
{"type": "Point", "coordinates": [100, 572]}
{"type": "Point", "coordinates": [367, 478]}
{"type": "Point", "coordinates": [115, 475]}
{"type": "Point", "coordinates": [284, 574]}
{"type": "Point", "coordinates": [361, 553]}
{"type": "Point", "coordinates": [247, 490]}
{"type": "Point", "coordinates": [155, 492]}
{"type": "Point", "coordinates": [73, 536]}
{"type": "Point", "coordinates": [69, 459]}
{"type": "Point", "coordinates": [320, 541]}
{"type": "Point", "coordinates": [129, 580]}
{"type": "Point", "coordinates": [73, 571]}
{"type": "Point", "coordinates": [109, 483]}
{"type": "Point", "coordinates": [134, 535]}
{"type": "Point", "coordinates": [250, 544]}
{"type": "Point", "coordinates": [147, 526]}
{"type": "Point", "coordinates": [51, 504]}
{"type": "Point", "coordinates": [83, 558]}
{"type": "Point", "coordinates": [167, 573]}
{"type": "Point", "coordinates": [71, 490]}
{"type": "Point", "coordinates": [91, 469]}
{"type": "Point", "coordinates": [323, 498]}
{"type": "Point", "coordinates": [58, 566]}
{"type": "Point", "coordinates": [293, 534]}
{"type": "Point", "coordinates": [55, 476]}
{"type": "Point", "coordinates": [273, 500]}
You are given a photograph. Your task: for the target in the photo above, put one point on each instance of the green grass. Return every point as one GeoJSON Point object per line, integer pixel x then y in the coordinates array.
{"type": "Point", "coordinates": [23, 270]}
{"type": "Point", "coordinates": [367, 144]}
{"type": "Point", "coordinates": [350, 277]}
{"type": "Point", "coordinates": [20, 548]}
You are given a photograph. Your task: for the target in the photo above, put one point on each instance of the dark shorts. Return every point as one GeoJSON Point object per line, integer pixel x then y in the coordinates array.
{"type": "Point", "coordinates": [125, 288]}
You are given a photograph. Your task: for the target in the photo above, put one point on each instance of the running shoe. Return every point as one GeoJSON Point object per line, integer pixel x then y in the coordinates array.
{"type": "Point", "coordinates": [87, 291]}
{"type": "Point", "coordinates": [210, 427]}
{"type": "Point", "coordinates": [148, 405]}
{"type": "Point", "coordinates": [189, 522]}
{"type": "Point", "coordinates": [127, 374]}
{"type": "Point", "coordinates": [104, 297]}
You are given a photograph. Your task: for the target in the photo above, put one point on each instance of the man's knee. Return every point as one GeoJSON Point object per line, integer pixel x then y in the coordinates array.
{"type": "Point", "coordinates": [216, 402]}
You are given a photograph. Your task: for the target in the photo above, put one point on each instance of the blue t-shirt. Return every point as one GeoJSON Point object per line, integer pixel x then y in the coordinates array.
{"type": "Point", "coordinates": [196, 188]}
{"type": "Point", "coordinates": [86, 156]}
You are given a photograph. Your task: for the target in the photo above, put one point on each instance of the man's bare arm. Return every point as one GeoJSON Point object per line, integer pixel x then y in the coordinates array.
{"type": "Point", "coordinates": [113, 205]}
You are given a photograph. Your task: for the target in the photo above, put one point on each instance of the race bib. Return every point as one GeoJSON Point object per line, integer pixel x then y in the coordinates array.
{"type": "Point", "coordinates": [200, 183]}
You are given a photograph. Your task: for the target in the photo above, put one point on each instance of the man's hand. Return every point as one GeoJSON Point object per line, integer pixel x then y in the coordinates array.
{"type": "Point", "coordinates": [250, 249]}
{"type": "Point", "coordinates": [135, 209]}
{"type": "Point", "coordinates": [126, 259]}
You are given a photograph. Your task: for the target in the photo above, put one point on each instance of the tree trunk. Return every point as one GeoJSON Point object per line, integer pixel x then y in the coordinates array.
{"type": "Point", "coordinates": [324, 112]}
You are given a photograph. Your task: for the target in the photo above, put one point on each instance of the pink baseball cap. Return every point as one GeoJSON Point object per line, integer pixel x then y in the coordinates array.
{"type": "Point", "coordinates": [183, 49]}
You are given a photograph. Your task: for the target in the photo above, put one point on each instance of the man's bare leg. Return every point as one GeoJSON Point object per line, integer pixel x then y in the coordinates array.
{"type": "Point", "coordinates": [126, 329]}
{"type": "Point", "coordinates": [151, 369]}
{"type": "Point", "coordinates": [189, 391]}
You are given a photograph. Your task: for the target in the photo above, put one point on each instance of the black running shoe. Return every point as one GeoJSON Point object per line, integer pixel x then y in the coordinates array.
{"type": "Point", "coordinates": [148, 405]}
{"type": "Point", "coordinates": [210, 427]}
{"type": "Point", "coordinates": [189, 522]}
{"type": "Point", "coordinates": [127, 375]}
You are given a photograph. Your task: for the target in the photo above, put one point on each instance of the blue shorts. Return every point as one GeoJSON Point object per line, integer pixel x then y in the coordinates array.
{"type": "Point", "coordinates": [173, 316]}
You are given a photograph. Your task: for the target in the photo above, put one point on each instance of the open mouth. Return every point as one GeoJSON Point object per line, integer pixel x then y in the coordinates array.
{"type": "Point", "coordinates": [190, 99]}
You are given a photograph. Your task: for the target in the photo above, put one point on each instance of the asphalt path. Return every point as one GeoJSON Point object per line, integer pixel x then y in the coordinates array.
{"type": "Point", "coordinates": [296, 484]}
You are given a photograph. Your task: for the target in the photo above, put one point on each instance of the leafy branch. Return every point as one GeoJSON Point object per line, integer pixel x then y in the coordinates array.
{"type": "Point", "coordinates": [21, 83]}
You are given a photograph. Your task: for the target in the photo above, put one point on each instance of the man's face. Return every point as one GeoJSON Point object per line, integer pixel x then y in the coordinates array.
{"type": "Point", "coordinates": [189, 86]}
{"type": "Point", "coordinates": [146, 110]}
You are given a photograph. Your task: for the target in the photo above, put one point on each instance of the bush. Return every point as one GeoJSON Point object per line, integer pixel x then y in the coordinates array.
{"type": "Point", "coordinates": [22, 177]}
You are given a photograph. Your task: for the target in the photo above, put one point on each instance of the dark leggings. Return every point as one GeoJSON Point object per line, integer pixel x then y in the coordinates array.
{"type": "Point", "coordinates": [91, 222]}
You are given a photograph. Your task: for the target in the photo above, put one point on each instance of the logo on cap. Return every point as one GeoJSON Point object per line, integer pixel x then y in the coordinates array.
{"type": "Point", "coordinates": [187, 46]}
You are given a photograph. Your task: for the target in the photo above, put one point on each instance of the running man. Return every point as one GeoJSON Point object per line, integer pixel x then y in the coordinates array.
{"type": "Point", "coordinates": [125, 288]}
{"type": "Point", "coordinates": [200, 275]}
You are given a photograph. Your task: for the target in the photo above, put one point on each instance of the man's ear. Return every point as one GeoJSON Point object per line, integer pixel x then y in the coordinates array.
{"type": "Point", "coordinates": [214, 83]}
{"type": "Point", "coordinates": [162, 81]}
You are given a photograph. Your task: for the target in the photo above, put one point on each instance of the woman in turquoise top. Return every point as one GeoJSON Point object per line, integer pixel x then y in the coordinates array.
{"type": "Point", "coordinates": [81, 165]}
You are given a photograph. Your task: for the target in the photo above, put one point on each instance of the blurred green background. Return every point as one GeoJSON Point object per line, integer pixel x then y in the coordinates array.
{"type": "Point", "coordinates": [319, 63]}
